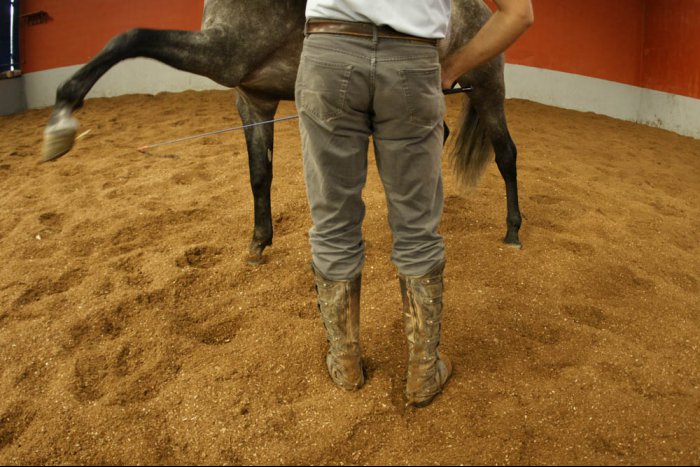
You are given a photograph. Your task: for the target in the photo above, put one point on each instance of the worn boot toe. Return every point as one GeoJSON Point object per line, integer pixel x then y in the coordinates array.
{"type": "Point", "coordinates": [346, 372]}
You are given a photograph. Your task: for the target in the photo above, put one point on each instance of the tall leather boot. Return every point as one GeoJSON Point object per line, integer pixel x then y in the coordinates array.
{"type": "Point", "coordinates": [339, 305]}
{"type": "Point", "coordinates": [428, 370]}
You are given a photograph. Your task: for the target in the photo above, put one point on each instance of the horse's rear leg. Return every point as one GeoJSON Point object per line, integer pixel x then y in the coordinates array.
{"type": "Point", "coordinates": [196, 52]}
{"type": "Point", "coordinates": [506, 156]}
{"type": "Point", "coordinates": [489, 104]}
{"type": "Point", "coordinates": [259, 140]}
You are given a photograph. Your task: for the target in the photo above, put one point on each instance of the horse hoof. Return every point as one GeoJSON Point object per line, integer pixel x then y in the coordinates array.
{"type": "Point", "coordinates": [254, 260]}
{"type": "Point", "coordinates": [512, 239]}
{"type": "Point", "coordinates": [59, 138]}
{"type": "Point", "coordinates": [255, 256]}
{"type": "Point", "coordinates": [513, 242]}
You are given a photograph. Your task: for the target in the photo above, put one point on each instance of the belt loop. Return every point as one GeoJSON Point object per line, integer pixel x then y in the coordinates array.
{"type": "Point", "coordinates": [306, 28]}
{"type": "Point", "coordinates": [375, 34]}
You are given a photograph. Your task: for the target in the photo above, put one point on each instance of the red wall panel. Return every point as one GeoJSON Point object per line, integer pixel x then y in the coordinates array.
{"type": "Point", "coordinates": [79, 29]}
{"type": "Point", "coordinates": [597, 38]}
{"type": "Point", "coordinates": [672, 47]}
{"type": "Point", "coordinates": [651, 43]}
{"type": "Point", "coordinates": [648, 43]}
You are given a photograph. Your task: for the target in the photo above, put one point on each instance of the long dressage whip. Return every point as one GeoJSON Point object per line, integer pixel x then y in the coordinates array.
{"type": "Point", "coordinates": [144, 149]}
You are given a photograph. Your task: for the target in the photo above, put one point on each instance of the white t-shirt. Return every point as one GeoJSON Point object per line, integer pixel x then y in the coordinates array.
{"type": "Point", "coordinates": [421, 18]}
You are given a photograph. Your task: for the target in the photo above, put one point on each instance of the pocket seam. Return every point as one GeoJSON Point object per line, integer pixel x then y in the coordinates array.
{"type": "Point", "coordinates": [405, 75]}
{"type": "Point", "coordinates": [342, 95]}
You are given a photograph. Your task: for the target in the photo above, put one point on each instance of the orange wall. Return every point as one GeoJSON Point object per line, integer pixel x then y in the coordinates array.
{"type": "Point", "coordinates": [672, 47]}
{"type": "Point", "coordinates": [649, 43]}
{"type": "Point", "coordinates": [597, 38]}
{"type": "Point", "coordinates": [80, 28]}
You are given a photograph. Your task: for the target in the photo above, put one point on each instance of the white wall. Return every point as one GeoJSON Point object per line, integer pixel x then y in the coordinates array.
{"type": "Point", "coordinates": [676, 113]}
{"type": "Point", "coordinates": [569, 91]}
{"type": "Point", "coordinates": [136, 76]}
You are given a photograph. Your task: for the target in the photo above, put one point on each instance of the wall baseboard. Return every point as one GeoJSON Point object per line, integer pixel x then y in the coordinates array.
{"type": "Point", "coordinates": [12, 97]}
{"type": "Point", "coordinates": [136, 76]}
{"type": "Point", "coordinates": [669, 111]}
{"type": "Point", "coordinates": [672, 112]}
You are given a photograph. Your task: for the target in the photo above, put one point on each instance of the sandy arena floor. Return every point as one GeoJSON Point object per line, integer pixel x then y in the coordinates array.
{"type": "Point", "coordinates": [133, 331]}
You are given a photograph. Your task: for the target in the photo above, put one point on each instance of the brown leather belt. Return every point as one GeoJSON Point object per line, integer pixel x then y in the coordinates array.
{"type": "Point", "coordinates": [326, 26]}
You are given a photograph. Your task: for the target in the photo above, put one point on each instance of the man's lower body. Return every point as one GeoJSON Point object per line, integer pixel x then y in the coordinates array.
{"type": "Point", "coordinates": [349, 88]}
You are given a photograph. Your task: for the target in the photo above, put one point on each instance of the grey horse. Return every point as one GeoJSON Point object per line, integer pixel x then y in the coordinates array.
{"type": "Point", "coordinates": [255, 47]}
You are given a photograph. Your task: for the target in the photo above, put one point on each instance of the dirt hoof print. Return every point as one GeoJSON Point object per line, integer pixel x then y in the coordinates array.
{"type": "Point", "coordinates": [52, 223]}
{"type": "Point", "coordinates": [219, 334]}
{"type": "Point", "coordinates": [51, 219]}
{"type": "Point", "coordinates": [13, 423]}
{"type": "Point", "coordinates": [201, 257]}
{"type": "Point", "coordinates": [587, 315]}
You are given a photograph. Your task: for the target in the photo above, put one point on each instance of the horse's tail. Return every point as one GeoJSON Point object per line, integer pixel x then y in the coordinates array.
{"type": "Point", "coordinates": [472, 149]}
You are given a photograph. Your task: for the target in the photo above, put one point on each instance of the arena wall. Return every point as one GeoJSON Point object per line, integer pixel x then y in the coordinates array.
{"type": "Point", "coordinates": [637, 60]}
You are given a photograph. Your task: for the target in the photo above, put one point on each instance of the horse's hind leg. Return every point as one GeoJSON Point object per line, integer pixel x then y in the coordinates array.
{"type": "Point", "coordinates": [491, 109]}
{"type": "Point", "coordinates": [506, 156]}
{"type": "Point", "coordinates": [259, 140]}
{"type": "Point", "coordinates": [196, 52]}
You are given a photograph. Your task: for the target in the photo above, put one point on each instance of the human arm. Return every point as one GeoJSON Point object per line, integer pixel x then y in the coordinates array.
{"type": "Point", "coordinates": [509, 22]}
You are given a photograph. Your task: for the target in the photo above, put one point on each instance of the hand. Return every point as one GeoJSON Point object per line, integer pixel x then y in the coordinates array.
{"type": "Point", "coordinates": [508, 23]}
{"type": "Point", "coordinates": [449, 80]}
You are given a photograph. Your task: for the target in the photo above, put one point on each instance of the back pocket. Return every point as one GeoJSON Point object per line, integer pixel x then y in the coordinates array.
{"type": "Point", "coordinates": [423, 93]}
{"type": "Point", "coordinates": [322, 88]}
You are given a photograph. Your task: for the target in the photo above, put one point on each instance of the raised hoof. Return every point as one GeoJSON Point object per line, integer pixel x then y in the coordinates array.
{"type": "Point", "coordinates": [59, 138]}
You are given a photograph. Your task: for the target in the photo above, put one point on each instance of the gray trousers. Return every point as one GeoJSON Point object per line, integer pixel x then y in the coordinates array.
{"type": "Point", "coordinates": [347, 89]}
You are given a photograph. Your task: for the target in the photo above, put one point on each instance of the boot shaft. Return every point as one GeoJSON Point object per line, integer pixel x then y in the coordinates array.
{"type": "Point", "coordinates": [428, 370]}
{"type": "Point", "coordinates": [339, 307]}
{"type": "Point", "coordinates": [422, 311]}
